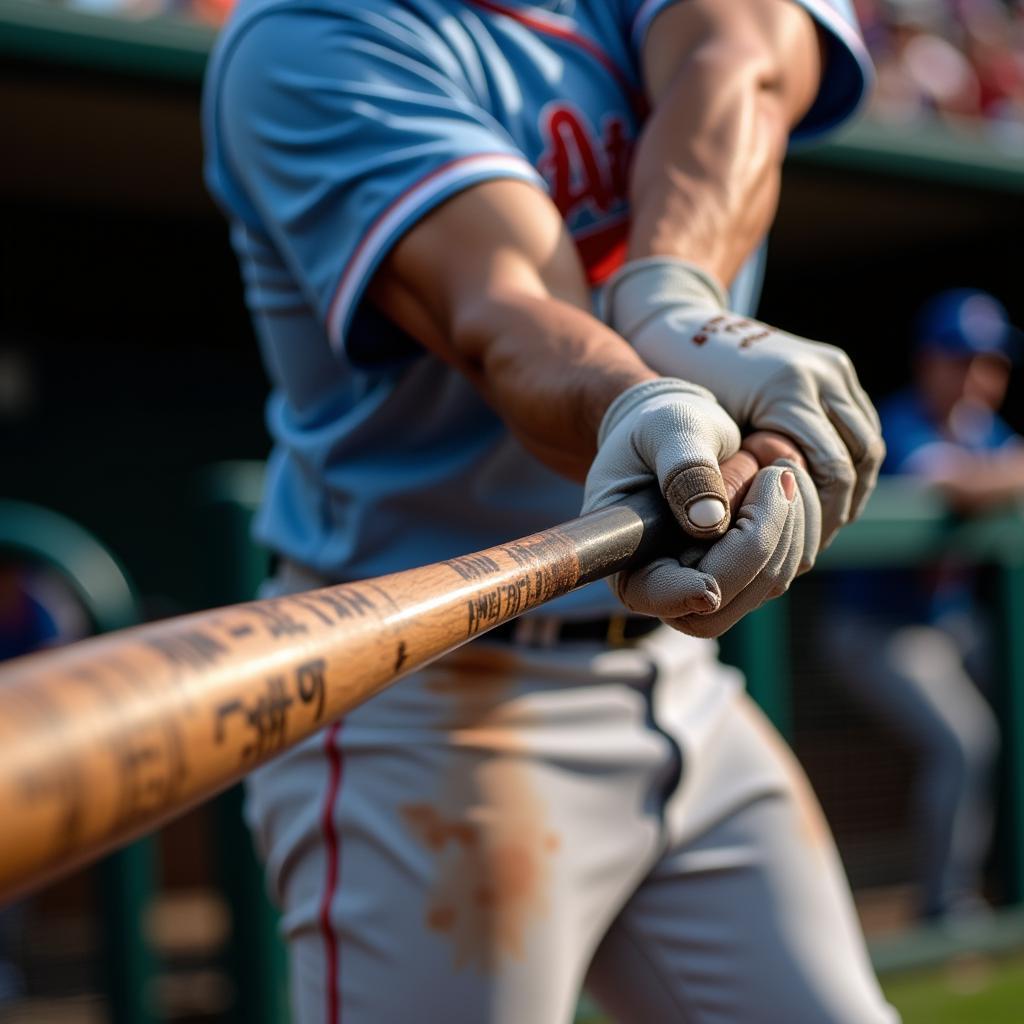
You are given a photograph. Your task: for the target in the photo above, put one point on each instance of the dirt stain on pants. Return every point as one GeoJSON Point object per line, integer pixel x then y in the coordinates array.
{"type": "Point", "coordinates": [488, 827]}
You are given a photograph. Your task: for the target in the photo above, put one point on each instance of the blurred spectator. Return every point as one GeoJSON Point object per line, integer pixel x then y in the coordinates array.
{"type": "Point", "coordinates": [37, 609]}
{"type": "Point", "coordinates": [958, 60]}
{"type": "Point", "coordinates": [913, 647]}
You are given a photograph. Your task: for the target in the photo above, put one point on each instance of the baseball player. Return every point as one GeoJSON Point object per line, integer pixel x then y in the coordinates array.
{"type": "Point", "coordinates": [425, 196]}
{"type": "Point", "coordinates": [921, 640]}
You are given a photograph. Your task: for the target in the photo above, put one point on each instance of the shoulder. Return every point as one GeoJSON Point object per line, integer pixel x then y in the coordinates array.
{"type": "Point", "coordinates": [268, 36]}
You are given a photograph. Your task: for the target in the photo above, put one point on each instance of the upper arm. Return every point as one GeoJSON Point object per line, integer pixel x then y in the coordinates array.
{"type": "Point", "coordinates": [338, 136]}
{"type": "Point", "coordinates": [496, 243]}
{"type": "Point", "coordinates": [808, 51]}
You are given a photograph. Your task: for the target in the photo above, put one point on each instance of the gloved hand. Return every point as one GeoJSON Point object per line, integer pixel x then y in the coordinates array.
{"type": "Point", "coordinates": [677, 433]}
{"type": "Point", "coordinates": [675, 317]}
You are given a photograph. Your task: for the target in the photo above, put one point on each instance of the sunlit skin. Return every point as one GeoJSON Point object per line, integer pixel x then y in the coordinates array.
{"type": "Point", "coordinates": [509, 304]}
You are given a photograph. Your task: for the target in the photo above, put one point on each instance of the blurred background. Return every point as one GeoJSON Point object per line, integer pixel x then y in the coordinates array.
{"type": "Point", "coordinates": [131, 439]}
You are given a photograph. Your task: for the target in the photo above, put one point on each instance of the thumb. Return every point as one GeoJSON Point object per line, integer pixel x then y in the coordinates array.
{"type": "Point", "coordinates": [699, 500]}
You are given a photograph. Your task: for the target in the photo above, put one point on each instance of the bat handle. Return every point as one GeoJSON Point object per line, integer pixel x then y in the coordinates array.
{"type": "Point", "coordinates": [628, 534]}
{"type": "Point", "coordinates": [662, 534]}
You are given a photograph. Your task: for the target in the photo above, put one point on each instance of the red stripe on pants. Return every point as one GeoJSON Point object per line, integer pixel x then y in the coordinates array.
{"type": "Point", "coordinates": [332, 874]}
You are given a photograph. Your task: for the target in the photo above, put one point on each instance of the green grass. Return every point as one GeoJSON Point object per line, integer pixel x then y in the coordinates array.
{"type": "Point", "coordinates": [969, 990]}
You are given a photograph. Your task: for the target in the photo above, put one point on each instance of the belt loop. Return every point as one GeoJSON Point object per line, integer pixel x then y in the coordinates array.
{"type": "Point", "coordinates": [616, 634]}
{"type": "Point", "coordinates": [549, 632]}
{"type": "Point", "coordinates": [537, 632]}
{"type": "Point", "coordinates": [523, 632]}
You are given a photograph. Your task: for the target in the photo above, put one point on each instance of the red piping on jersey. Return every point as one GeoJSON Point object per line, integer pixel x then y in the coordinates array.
{"type": "Point", "coordinates": [636, 98]}
{"type": "Point", "coordinates": [332, 874]}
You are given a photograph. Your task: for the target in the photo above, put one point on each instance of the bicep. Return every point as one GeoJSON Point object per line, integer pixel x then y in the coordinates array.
{"type": "Point", "coordinates": [499, 242]}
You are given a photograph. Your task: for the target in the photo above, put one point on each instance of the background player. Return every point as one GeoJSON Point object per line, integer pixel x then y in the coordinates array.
{"type": "Point", "coordinates": [421, 194]}
{"type": "Point", "coordinates": [920, 641]}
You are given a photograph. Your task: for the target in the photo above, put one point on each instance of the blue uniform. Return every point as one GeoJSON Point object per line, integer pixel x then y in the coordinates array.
{"type": "Point", "coordinates": [917, 446]}
{"type": "Point", "coordinates": [330, 130]}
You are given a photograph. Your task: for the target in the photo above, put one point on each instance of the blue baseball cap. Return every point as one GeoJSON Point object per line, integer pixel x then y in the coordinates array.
{"type": "Point", "coordinates": [966, 322]}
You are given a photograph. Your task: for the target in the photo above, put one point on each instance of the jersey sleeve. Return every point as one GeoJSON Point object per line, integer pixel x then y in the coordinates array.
{"type": "Point", "coordinates": [848, 73]}
{"type": "Point", "coordinates": [334, 133]}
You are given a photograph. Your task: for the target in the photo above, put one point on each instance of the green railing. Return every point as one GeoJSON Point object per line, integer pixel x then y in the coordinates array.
{"type": "Point", "coordinates": [908, 525]}
{"type": "Point", "coordinates": [127, 879]}
{"type": "Point", "coordinates": [159, 48]}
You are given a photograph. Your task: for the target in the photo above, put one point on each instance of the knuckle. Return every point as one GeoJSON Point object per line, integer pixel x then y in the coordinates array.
{"type": "Point", "coordinates": [761, 547]}
{"type": "Point", "coordinates": [876, 451]}
{"type": "Point", "coordinates": [834, 355]}
{"type": "Point", "coordinates": [836, 523]}
{"type": "Point", "coordinates": [843, 475]}
{"type": "Point", "coordinates": [800, 375]}
{"type": "Point", "coordinates": [843, 361]}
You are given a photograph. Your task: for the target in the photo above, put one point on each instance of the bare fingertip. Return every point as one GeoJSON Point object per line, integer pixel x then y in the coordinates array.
{"type": "Point", "coordinates": [788, 482]}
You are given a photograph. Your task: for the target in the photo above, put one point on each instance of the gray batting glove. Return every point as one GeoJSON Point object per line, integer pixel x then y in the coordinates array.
{"type": "Point", "coordinates": [675, 316]}
{"type": "Point", "coordinates": [774, 539]}
{"type": "Point", "coordinates": [676, 433]}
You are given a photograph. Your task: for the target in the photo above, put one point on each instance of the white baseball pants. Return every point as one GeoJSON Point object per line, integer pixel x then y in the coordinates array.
{"type": "Point", "coordinates": [478, 842]}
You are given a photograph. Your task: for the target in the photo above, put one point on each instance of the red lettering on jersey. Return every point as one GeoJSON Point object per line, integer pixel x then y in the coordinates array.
{"type": "Point", "coordinates": [587, 173]}
{"type": "Point", "coordinates": [618, 149]}
{"type": "Point", "coordinates": [570, 165]}
{"type": "Point", "coordinates": [580, 169]}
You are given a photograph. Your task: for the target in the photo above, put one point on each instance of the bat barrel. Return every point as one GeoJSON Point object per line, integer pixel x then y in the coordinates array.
{"type": "Point", "coordinates": [104, 740]}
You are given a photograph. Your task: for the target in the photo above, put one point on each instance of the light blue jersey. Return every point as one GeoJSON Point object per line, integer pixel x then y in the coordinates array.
{"type": "Point", "coordinates": [331, 128]}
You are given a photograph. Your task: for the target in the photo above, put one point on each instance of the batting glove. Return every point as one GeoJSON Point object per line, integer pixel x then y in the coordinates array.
{"type": "Point", "coordinates": [676, 433]}
{"type": "Point", "coordinates": [774, 539]}
{"type": "Point", "coordinates": [675, 316]}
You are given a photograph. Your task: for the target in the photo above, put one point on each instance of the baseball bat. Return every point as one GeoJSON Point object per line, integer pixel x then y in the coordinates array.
{"type": "Point", "coordinates": [106, 739]}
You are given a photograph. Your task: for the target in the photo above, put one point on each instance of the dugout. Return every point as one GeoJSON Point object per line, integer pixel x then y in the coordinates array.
{"type": "Point", "coordinates": [127, 363]}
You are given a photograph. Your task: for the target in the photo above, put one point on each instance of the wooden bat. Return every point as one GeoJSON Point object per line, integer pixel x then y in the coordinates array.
{"type": "Point", "coordinates": [104, 740]}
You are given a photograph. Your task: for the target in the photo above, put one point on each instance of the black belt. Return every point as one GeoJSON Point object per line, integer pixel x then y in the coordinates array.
{"type": "Point", "coordinates": [613, 631]}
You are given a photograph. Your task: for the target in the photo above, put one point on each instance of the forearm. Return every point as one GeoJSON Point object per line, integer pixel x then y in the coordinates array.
{"type": "Point", "coordinates": [508, 304]}
{"type": "Point", "coordinates": [983, 481]}
{"type": "Point", "coordinates": [727, 80]}
{"type": "Point", "coordinates": [550, 370]}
